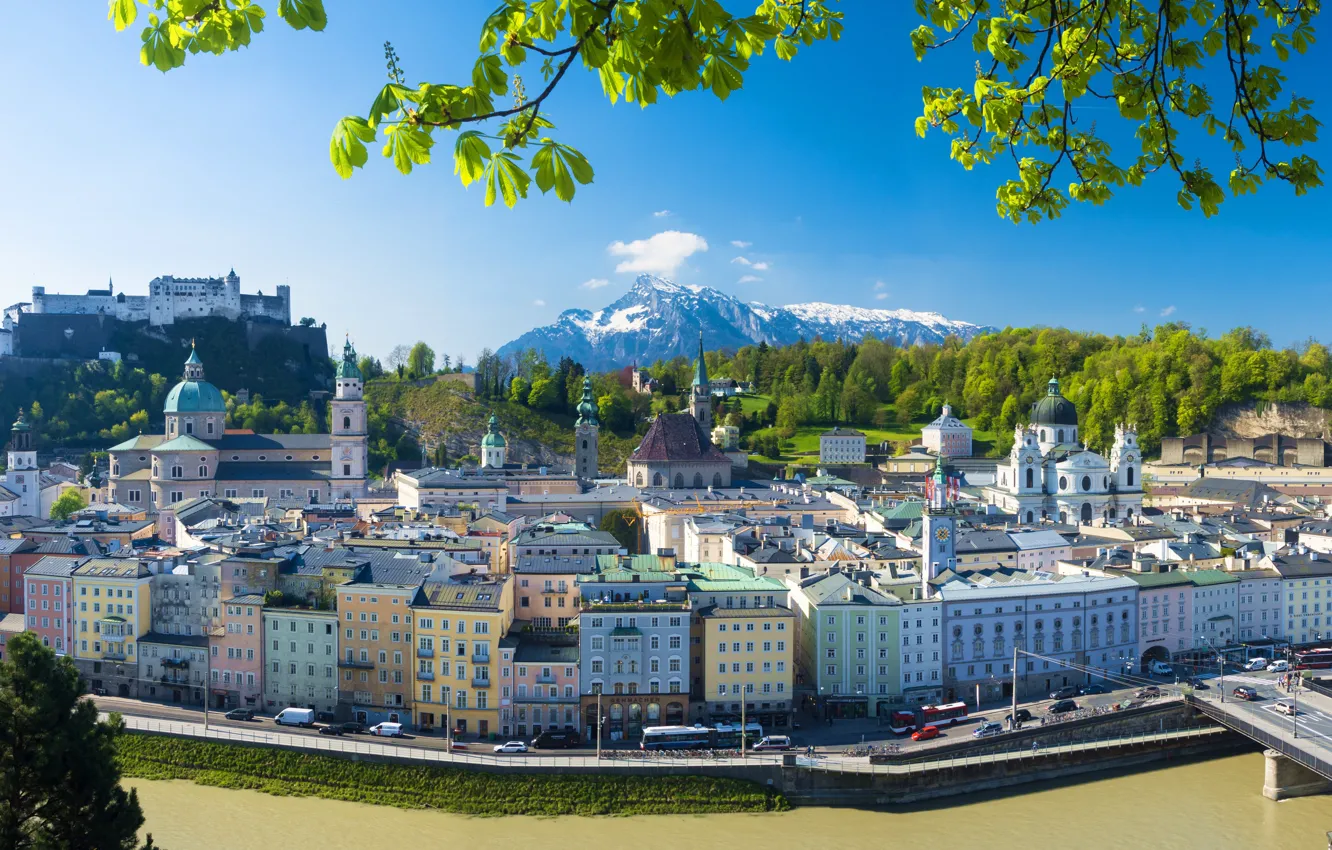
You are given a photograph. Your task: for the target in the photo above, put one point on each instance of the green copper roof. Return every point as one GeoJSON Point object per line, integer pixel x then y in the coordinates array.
{"type": "Point", "coordinates": [493, 439]}
{"type": "Point", "coordinates": [587, 409]}
{"type": "Point", "coordinates": [194, 397]}
{"type": "Point", "coordinates": [184, 443]}
{"type": "Point", "coordinates": [193, 359]}
{"type": "Point", "coordinates": [21, 423]}
{"type": "Point", "coordinates": [701, 370]}
{"type": "Point", "coordinates": [1054, 409]}
{"type": "Point", "coordinates": [347, 367]}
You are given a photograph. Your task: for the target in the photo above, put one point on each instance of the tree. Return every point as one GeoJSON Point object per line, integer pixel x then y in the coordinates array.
{"type": "Point", "coordinates": [622, 523]}
{"type": "Point", "coordinates": [307, 322]}
{"type": "Point", "coordinates": [420, 361]}
{"type": "Point", "coordinates": [58, 775]}
{"type": "Point", "coordinates": [397, 358]}
{"type": "Point", "coordinates": [638, 49]}
{"type": "Point", "coordinates": [1161, 66]}
{"type": "Point", "coordinates": [70, 502]}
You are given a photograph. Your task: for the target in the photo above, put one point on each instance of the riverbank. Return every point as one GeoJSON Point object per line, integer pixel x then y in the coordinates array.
{"type": "Point", "coordinates": [446, 789]}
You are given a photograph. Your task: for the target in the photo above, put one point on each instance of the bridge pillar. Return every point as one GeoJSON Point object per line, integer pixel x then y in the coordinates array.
{"type": "Point", "coordinates": [1284, 778]}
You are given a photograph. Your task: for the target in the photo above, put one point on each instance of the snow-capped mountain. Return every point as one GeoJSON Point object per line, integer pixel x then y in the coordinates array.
{"type": "Point", "coordinates": [660, 319]}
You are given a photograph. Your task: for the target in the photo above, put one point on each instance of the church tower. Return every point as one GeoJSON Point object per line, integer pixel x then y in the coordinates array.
{"type": "Point", "coordinates": [493, 447]}
{"type": "Point", "coordinates": [700, 395]}
{"type": "Point", "coordinates": [938, 532]}
{"type": "Point", "coordinates": [1126, 459]}
{"type": "Point", "coordinates": [21, 476]}
{"type": "Point", "coordinates": [585, 434]}
{"type": "Point", "coordinates": [349, 431]}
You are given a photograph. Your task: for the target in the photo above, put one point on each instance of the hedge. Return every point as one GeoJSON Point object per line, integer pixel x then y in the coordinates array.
{"type": "Point", "coordinates": [448, 789]}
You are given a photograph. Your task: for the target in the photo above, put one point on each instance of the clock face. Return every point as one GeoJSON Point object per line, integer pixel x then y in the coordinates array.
{"type": "Point", "coordinates": [1031, 460]}
{"type": "Point", "coordinates": [941, 534]}
{"type": "Point", "coordinates": [1128, 458]}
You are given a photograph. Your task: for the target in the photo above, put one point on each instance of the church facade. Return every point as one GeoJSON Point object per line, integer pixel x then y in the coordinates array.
{"type": "Point", "coordinates": [677, 450]}
{"type": "Point", "coordinates": [1050, 475]}
{"type": "Point", "coordinates": [198, 456]}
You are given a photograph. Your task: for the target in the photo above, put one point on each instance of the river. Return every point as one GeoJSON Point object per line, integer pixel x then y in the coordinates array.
{"type": "Point", "coordinates": [1215, 804]}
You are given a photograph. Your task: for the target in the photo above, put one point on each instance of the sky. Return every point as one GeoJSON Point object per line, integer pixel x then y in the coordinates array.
{"type": "Point", "coordinates": [807, 185]}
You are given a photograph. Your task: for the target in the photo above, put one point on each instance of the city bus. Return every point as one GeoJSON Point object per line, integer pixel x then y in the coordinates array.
{"type": "Point", "coordinates": [1313, 659]}
{"type": "Point", "coordinates": [722, 736]}
{"type": "Point", "coordinates": [904, 721]}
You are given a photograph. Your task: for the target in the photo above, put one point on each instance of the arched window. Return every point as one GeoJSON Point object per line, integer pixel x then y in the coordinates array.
{"type": "Point", "coordinates": [177, 472]}
{"type": "Point", "coordinates": [1129, 477]}
{"type": "Point", "coordinates": [1063, 483]}
{"type": "Point", "coordinates": [638, 480]}
{"type": "Point", "coordinates": [585, 444]}
{"type": "Point", "coordinates": [1086, 483]}
{"type": "Point", "coordinates": [656, 479]}
{"type": "Point", "coordinates": [346, 422]}
{"type": "Point", "coordinates": [679, 480]}
{"type": "Point", "coordinates": [698, 480]}
{"type": "Point", "coordinates": [1031, 477]}
{"type": "Point", "coordinates": [1031, 516]}
{"type": "Point", "coordinates": [1061, 435]}
{"type": "Point", "coordinates": [716, 479]}
{"type": "Point", "coordinates": [203, 470]}
{"type": "Point", "coordinates": [1042, 435]}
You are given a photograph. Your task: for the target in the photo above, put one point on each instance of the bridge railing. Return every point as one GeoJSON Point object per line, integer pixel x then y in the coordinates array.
{"type": "Point", "coordinates": [1286, 746]}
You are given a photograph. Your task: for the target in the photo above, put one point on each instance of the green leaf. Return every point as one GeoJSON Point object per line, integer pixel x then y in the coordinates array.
{"type": "Point", "coordinates": [470, 154]}
{"type": "Point", "coordinates": [489, 76]}
{"type": "Point", "coordinates": [388, 100]}
{"type": "Point", "coordinates": [159, 51]}
{"type": "Point", "coordinates": [122, 13]}
{"type": "Point", "coordinates": [408, 145]}
{"type": "Point", "coordinates": [721, 75]}
{"type": "Point", "coordinates": [558, 166]}
{"type": "Point", "coordinates": [505, 177]}
{"type": "Point", "coordinates": [347, 147]}
{"type": "Point", "coordinates": [303, 13]}
{"type": "Point", "coordinates": [786, 48]}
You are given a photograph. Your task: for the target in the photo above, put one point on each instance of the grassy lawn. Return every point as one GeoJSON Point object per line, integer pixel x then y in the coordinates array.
{"type": "Point", "coordinates": [804, 445]}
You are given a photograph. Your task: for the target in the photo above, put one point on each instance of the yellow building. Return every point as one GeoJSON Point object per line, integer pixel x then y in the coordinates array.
{"type": "Point", "coordinates": [749, 651]}
{"type": "Point", "coordinates": [463, 662]}
{"type": "Point", "coordinates": [114, 599]}
{"type": "Point", "coordinates": [375, 643]}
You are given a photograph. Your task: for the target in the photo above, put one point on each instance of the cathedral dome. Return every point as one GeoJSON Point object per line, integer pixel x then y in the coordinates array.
{"type": "Point", "coordinates": [493, 438]}
{"type": "Point", "coordinates": [1054, 409]}
{"type": "Point", "coordinates": [194, 394]}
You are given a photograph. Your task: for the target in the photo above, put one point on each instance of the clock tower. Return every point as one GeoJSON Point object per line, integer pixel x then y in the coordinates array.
{"type": "Point", "coordinates": [349, 433]}
{"type": "Point", "coordinates": [938, 531]}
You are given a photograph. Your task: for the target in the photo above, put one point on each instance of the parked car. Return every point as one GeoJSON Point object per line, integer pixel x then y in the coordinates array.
{"type": "Point", "coordinates": [387, 730]}
{"type": "Point", "coordinates": [1256, 664]}
{"type": "Point", "coordinates": [352, 727]}
{"type": "Point", "coordinates": [1149, 692]}
{"type": "Point", "coordinates": [1285, 708]}
{"type": "Point", "coordinates": [458, 745]}
{"type": "Point", "coordinates": [511, 747]}
{"type": "Point", "coordinates": [1063, 706]}
{"type": "Point", "coordinates": [1065, 692]}
{"type": "Point", "coordinates": [1245, 692]}
{"type": "Point", "coordinates": [1160, 668]}
{"type": "Point", "coordinates": [987, 730]}
{"type": "Point", "coordinates": [331, 729]}
{"type": "Point", "coordinates": [925, 733]}
{"type": "Point", "coordinates": [1279, 666]}
{"type": "Point", "coordinates": [240, 714]}
{"type": "Point", "coordinates": [1022, 715]}
{"type": "Point", "coordinates": [773, 742]}
{"type": "Point", "coordinates": [1199, 684]}
{"type": "Point", "coordinates": [1094, 688]}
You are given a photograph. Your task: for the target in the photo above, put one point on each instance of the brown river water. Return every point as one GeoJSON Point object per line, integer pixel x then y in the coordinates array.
{"type": "Point", "coordinates": [1214, 804]}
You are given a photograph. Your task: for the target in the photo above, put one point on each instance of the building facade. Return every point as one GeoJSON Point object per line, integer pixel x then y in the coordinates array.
{"type": "Point", "coordinates": [114, 596]}
{"type": "Point", "coordinates": [171, 298]}
{"type": "Point", "coordinates": [947, 435]}
{"type": "Point", "coordinates": [635, 666]}
{"type": "Point", "coordinates": [546, 693]}
{"type": "Point", "coordinates": [842, 445]}
{"type": "Point", "coordinates": [301, 659]}
{"type": "Point", "coordinates": [748, 656]}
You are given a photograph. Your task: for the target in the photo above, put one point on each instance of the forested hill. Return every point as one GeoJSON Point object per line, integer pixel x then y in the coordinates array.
{"type": "Point", "coordinates": [1169, 381]}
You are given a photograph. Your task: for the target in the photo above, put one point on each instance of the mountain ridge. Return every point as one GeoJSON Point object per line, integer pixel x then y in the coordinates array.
{"type": "Point", "coordinates": [661, 319]}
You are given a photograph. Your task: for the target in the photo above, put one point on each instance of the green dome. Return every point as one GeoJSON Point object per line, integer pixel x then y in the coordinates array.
{"type": "Point", "coordinates": [1054, 409]}
{"type": "Point", "coordinates": [587, 409]}
{"type": "Point", "coordinates": [20, 424]}
{"type": "Point", "coordinates": [347, 367]}
{"type": "Point", "coordinates": [194, 397]}
{"type": "Point", "coordinates": [493, 439]}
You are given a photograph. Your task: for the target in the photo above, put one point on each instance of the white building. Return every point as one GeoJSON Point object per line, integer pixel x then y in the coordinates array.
{"type": "Point", "coordinates": [1050, 475]}
{"type": "Point", "coordinates": [1259, 605]}
{"type": "Point", "coordinates": [947, 435]}
{"type": "Point", "coordinates": [1040, 550]}
{"type": "Point", "coordinates": [1087, 621]}
{"type": "Point", "coordinates": [842, 445]}
{"type": "Point", "coordinates": [168, 299]}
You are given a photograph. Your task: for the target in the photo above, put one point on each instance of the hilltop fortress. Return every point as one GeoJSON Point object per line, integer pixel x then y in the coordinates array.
{"type": "Point", "coordinates": [168, 299]}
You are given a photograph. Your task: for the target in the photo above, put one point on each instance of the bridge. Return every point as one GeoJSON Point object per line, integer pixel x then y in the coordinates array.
{"type": "Point", "coordinates": [1298, 746]}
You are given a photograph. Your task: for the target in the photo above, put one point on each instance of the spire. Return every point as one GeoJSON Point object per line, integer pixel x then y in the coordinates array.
{"type": "Point", "coordinates": [1052, 388]}
{"type": "Point", "coordinates": [701, 370]}
{"type": "Point", "coordinates": [587, 408]}
{"type": "Point", "coordinates": [939, 487]}
{"type": "Point", "coordinates": [193, 365]}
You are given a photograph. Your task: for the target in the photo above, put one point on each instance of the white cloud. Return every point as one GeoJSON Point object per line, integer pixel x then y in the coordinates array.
{"type": "Point", "coordinates": [749, 278]}
{"type": "Point", "coordinates": [880, 286]}
{"type": "Point", "coordinates": [538, 303]}
{"type": "Point", "coordinates": [760, 267]}
{"type": "Point", "coordinates": [745, 261]}
{"type": "Point", "coordinates": [661, 213]}
{"type": "Point", "coordinates": [1139, 309]}
{"type": "Point", "coordinates": [880, 296]}
{"type": "Point", "coordinates": [594, 283]}
{"type": "Point", "coordinates": [738, 243]}
{"type": "Point", "coordinates": [1169, 311]}
{"type": "Point", "coordinates": [662, 253]}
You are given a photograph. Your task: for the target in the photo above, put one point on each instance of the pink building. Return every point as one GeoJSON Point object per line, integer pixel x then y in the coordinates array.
{"type": "Point", "coordinates": [236, 650]}
{"type": "Point", "coordinates": [49, 589]}
{"type": "Point", "coordinates": [545, 683]}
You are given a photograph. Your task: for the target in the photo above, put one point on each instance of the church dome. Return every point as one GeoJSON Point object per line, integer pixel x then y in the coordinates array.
{"type": "Point", "coordinates": [493, 438]}
{"type": "Point", "coordinates": [347, 368]}
{"type": "Point", "coordinates": [20, 424]}
{"type": "Point", "coordinates": [1054, 409]}
{"type": "Point", "coordinates": [194, 394]}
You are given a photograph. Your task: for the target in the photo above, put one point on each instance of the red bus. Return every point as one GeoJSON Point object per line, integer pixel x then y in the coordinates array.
{"type": "Point", "coordinates": [1313, 659]}
{"type": "Point", "coordinates": [901, 722]}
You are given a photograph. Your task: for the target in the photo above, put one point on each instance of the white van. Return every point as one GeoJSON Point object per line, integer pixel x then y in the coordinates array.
{"type": "Point", "coordinates": [295, 717]}
{"type": "Point", "coordinates": [1160, 668]}
{"type": "Point", "coordinates": [387, 730]}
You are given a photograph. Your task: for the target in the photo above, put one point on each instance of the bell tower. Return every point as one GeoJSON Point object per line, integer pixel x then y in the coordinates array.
{"type": "Point", "coordinates": [938, 531]}
{"type": "Point", "coordinates": [700, 394]}
{"type": "Point", "coordinates": [348, 429]}
{"type": "Point", "coordinates": [21, 476]}
{"type": "Point", "coordinates": [586, 430]}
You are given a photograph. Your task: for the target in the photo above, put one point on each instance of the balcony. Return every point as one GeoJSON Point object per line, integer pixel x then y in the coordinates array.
{"type": "Point", "coordinates": [114, 655]}
{"type": "Point", "coordinates": [480, 657]}
{"type": "Point", "coordinates": [358, 665]}
{"type": "Point", "coordinates": [480, 683]}
{"type": "Point", "coordinates": [425, 675]}
{"type": "Point", "coordinates": [545, 680]}
{"type": "Point", "coordinates": [422, 652]}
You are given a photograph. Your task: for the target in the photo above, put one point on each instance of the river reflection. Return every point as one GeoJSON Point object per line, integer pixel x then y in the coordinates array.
{"type": "Point", "coordinates": [1213, 804]}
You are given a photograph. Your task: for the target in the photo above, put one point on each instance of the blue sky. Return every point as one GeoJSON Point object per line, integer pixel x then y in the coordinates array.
{"type": "Point", "coordinates": [115, 170]}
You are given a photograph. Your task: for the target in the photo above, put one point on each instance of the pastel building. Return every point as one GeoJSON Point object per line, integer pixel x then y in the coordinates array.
{"type": "Point", "coordinates": [748, 656]}
{"type": "Point", "coordinates": [377, 640]}
{"type": "Point", "coordinates": [636, 656]}
{"type": "Point", "coordinates": [114, 596]}
{"type": "Point", "coordinates": [842, 445]}
{"type": "Point", "coordinates": [545, 683]}
{"type": "Point", "coordinates": [947, 435]}
{"type": "Point", "coordinates": [50, 593]}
